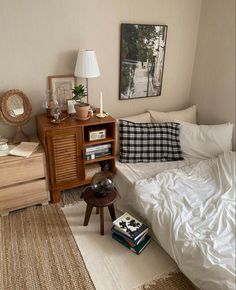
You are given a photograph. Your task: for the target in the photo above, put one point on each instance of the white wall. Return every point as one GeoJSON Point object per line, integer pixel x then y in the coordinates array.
{"type": "Point", "coordinates": [41, 38]}
{"type": "Point", "coordinates": [213, 83]}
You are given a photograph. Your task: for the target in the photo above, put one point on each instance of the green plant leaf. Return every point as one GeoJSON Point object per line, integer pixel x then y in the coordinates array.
{"type": "Point", "coordinates": [79, 93]}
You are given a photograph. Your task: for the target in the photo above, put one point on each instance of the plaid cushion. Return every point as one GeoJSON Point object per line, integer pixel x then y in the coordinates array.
{"type": "Point", "coordinates": [148, 142]}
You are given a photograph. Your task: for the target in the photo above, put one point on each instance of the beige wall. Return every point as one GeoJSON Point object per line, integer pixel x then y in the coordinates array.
{"type": "Point", "coordinates": [213, 83]}
{"type": "Point", "coordinates": [41, 38]}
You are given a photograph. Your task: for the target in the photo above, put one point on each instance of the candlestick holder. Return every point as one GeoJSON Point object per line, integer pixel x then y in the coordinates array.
{"type": "Point", "coordinates": [102, 115]}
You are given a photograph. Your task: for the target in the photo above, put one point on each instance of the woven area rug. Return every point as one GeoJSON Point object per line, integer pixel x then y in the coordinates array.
{"type": "Point", "coordinates": [112, 266]}
{"type": "Point", "coordinates": [38, 252]}
{"type": "Point", "coordinates": [172, 281]}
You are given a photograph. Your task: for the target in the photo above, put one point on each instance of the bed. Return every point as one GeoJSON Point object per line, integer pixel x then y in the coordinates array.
{"type": "Point", "coordinates": [190, 203]}
{"type": "Point", "coordinates": [190, 206]}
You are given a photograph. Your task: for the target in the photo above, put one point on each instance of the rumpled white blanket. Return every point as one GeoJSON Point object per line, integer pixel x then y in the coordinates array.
{"type": "Point", "coordinates": [192, 213]}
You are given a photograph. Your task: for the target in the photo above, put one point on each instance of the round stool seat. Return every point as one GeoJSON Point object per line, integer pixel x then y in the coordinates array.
{"type": "Point", "coordinates": [90, 198]}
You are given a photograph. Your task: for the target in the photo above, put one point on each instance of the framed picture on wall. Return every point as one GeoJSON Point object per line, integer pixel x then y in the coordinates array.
{"type": "Point", "coordinates": [61, 88]}
{"type": "Point", "coordinates": [142, 54]}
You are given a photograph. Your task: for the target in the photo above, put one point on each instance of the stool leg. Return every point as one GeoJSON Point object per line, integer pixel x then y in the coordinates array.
{"type": "Point", "coordinates": [112, 212]}
{"type": "Point", "coordinates": [97, 210]}
{"type": "Point", "coordinates": [88, 214]}
{"type": "Point", "coordinates": [101, 220]}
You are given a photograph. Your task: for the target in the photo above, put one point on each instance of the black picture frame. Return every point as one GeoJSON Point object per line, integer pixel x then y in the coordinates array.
{"type": "Point", "coordinates": [142, 56]}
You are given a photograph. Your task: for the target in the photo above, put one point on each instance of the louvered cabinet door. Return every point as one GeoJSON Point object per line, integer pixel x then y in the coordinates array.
{"type": "Point", "coordinates": [65, 159]}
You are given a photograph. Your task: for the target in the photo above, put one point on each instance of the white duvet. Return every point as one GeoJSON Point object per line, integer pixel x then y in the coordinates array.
{"type": "Point", "coordinates": [192, 213]}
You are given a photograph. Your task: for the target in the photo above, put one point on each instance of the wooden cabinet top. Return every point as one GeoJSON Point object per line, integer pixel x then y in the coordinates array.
{"type": "Point", "coordinates": [70, 122]}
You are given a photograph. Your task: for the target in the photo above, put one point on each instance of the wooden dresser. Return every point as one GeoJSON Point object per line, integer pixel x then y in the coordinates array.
{"type": "Point", "coordinates": [65, 145]}
{"type": "Point", "coordinates": [22, 181]}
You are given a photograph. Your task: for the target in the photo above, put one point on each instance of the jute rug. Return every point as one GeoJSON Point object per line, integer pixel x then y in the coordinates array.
{"type": "Point", "coordinates": [38, 251]}
{"type": "Point", "coordinates": [112, 266]}
{"type": "Point", "coordinates": [172, 281]}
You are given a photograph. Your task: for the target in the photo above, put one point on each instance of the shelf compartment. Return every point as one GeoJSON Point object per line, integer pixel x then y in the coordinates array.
{"type": "Point", "coordinates": [109, 127]}
{"type": "Point", "coordinates": [98, 142]}
{"type": "Point", "coordinates": [103, 158]}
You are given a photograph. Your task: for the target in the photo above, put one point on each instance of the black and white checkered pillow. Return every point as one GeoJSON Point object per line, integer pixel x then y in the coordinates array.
{"type": "Point", "coordinates": [148, 142]}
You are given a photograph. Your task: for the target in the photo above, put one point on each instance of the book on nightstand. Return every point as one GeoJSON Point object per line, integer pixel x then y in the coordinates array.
{"type": "Point", "coordinates": [130, 226]}
{"type": "Point", "coordinates": [136, 249]}
{"type": "Point", "coordinates": [24, 149]}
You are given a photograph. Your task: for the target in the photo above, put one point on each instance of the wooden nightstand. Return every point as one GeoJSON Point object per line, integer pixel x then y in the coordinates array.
{"type": "Point", "coordinates": [65, 146]}
{"type": "Point", "coordinates": [23, 182]}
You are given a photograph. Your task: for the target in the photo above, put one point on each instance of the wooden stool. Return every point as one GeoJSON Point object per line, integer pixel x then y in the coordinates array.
{"type": "Point", "coordinates": [99, 202]}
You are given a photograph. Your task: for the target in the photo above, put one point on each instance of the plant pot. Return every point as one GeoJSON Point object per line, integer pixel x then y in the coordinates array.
{"type": "Point", "coordinates": [82, 111]}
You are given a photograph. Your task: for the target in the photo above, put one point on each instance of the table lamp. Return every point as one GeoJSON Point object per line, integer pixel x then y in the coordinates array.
{"type": "Point", "coordinates": [86, 66]}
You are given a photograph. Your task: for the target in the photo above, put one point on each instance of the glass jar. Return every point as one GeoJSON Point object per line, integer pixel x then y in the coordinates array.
{"type": "Point", "coordinates": [102, 183]}
{"type": "Point", "coordinates": [47, 102]}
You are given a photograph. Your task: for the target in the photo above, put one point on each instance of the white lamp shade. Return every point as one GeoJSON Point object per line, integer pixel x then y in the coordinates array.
{"type": "Point", "coordinates": [86, 64]}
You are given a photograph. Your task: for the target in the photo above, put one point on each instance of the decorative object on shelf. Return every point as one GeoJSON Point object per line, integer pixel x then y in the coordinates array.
{"type": "Point", "coordinates": [87, 66]}
{"type": "Point", "coordinates": [102, 183]}
{"type": "Point", "coordinates": [57, 114]}
{"type": "Point", "coordinates": [91, 112]}
{"type": "Point", "coordinates": [101, 113]}
{"type": "Point", "coordinates": [142, 53]}
{"type": "Point", "coordinates": [61, 87]}
{"type": "Point", "coordinates": [105, 165]}
{"type": "Point", "coordinates": [15, 110]}
{"type": "Point", "coordinates": [81, 108]}
{"type": "Point", "coordinates": [97, 134]}
{"type": "Point", "coordinates": [58, 120]}
{"type": "Point", "coordinates": [54, 107]}
{"type": "Point", "coordinates": [49, 103]}
{"type": "Point", "coordinates": [71, 107]}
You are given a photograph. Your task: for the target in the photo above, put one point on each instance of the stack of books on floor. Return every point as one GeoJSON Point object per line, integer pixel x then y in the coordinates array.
{"type": "Point", "coordinates": [131, 233]}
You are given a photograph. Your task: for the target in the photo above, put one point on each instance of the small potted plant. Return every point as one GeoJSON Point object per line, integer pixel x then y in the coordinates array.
{"type": "Point", "coordinates": [82, 109]}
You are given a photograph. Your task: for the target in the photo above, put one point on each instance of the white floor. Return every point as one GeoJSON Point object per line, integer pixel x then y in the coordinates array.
{"type": "Point", "coordinates": [111, 265]}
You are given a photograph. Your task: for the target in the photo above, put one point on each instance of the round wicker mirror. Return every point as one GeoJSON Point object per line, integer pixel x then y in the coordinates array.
{"type": "Point", "coordinates": [15, 110]}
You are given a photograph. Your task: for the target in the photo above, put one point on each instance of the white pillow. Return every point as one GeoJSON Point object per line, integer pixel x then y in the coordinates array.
{"type": "Point", "coordinates": [187, 115]}
{"type": "Point", "coordinates": [205, 141]}
{"type": "Point", "coordinates": [140, 118]}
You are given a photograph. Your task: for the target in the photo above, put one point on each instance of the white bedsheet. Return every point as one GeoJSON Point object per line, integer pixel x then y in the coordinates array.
{"type": "Point", "coordinates": [192, 213]}
{"type": "Point", "coordinates": [128, 173]}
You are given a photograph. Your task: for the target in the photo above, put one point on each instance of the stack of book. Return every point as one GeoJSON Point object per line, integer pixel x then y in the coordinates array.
{"type": "Point", "coordinates": [131, 233]}
{"type": "Point", "coordinates": [94, 152]}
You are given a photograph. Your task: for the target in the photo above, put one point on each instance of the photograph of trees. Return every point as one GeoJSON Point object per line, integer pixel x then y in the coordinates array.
{"type": "Point", "coordinates": [142, 60]}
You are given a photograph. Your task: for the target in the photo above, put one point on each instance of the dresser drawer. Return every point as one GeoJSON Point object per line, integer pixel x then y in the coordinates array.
{"type": "Point", "coordinates": [23, 195]}
{"type": "Point", "coordinates": [21, 170]}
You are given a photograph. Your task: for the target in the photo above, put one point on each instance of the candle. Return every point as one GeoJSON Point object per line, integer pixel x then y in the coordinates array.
{"type": "Point", "coordinates": [101, 109]}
